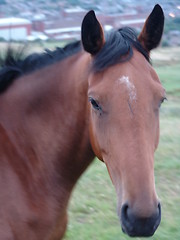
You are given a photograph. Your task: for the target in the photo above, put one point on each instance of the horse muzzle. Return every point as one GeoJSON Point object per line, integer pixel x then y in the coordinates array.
{"type": "Point", "coordinates": [136, 226]}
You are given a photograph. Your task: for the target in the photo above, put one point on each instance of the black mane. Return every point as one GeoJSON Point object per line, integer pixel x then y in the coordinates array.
{"type": "Point", "coordinates": [14, 65]}
{"type": "Point", "coordinates": [118, 48]}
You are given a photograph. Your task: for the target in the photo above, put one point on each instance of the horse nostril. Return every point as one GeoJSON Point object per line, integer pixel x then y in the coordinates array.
{"type": "Point", "coordinates": [158, 215]}
{"type": "Point", "coordinates": [159, 208]}
{"type": "Point", "coordinates": [125, 219]}
{"type": "Point", "coordinates": [137, 226]}
{"type": "Point", "coordinates": [124, 210]}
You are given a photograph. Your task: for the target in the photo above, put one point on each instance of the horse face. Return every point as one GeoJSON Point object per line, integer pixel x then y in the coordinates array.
{"type": "Point", "coordinates": [124, 131]}
{"type": "Point", "coordinates": [124, 128]}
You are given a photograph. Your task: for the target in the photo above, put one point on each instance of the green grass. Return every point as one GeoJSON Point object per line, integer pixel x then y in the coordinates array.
{"type": "Point", "coordinates": [92, 211]}
{"type": "Point", "coordinates": [170, 78]}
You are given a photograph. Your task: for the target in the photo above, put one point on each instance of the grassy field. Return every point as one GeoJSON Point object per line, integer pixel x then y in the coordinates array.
{"type": "Point", "coordinates": [92, 211]}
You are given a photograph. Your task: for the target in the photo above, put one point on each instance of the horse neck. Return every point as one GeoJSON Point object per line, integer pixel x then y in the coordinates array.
{"type": "Point", "coordinates": [50, 121]}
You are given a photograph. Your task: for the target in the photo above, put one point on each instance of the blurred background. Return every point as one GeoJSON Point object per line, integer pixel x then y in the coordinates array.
{"type": "Point", "coordinates": [50, 23]}
{"type": "Point", "coordinates": [22, 20]}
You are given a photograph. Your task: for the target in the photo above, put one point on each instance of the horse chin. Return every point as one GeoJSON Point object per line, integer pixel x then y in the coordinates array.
{"type": "Point", "coordinates": [132, 234]}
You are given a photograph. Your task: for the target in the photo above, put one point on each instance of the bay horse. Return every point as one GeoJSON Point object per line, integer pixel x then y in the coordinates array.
{"type": "Point", "coordinates": [59, 109]}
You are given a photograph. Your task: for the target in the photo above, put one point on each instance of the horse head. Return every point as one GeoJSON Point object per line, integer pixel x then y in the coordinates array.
{"type": "Point", "coordinates": [125, 95]}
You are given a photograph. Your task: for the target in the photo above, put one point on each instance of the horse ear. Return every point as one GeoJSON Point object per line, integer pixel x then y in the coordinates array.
{"type": "Point", "coordinates": [92, 34]}
{"type": "Point", "coordinates": [151, 34]}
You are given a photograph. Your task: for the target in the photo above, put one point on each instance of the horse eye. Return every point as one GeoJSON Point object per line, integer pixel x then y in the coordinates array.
{"type": "Point", "coordinates": [94, 104]}
{"type": "Point", "coordinates": [162, 100]}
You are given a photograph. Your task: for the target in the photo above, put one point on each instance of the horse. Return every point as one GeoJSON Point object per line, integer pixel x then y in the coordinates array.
{"type": "Point", "coordinates": [99, 96]}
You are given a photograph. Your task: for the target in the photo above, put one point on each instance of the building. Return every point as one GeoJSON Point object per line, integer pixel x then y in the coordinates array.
{"type": "Point", "coordinates": [15, 28]}
{"type": "Point", "coordinates": [70, 33]}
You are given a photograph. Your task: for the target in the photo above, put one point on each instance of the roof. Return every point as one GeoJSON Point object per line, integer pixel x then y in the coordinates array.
{"type": "Point", "coordinates": [74, 10]}
{"type": "Point", "coordinates": [132, 21]}
{"type": "Point", "coordinates": [13, 21]}
{"type": "Point", "coordinates": [63, 30]}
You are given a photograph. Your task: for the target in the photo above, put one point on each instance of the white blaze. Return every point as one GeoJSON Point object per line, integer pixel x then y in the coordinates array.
{"type": "Point", "coordinates": [130, 87]}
